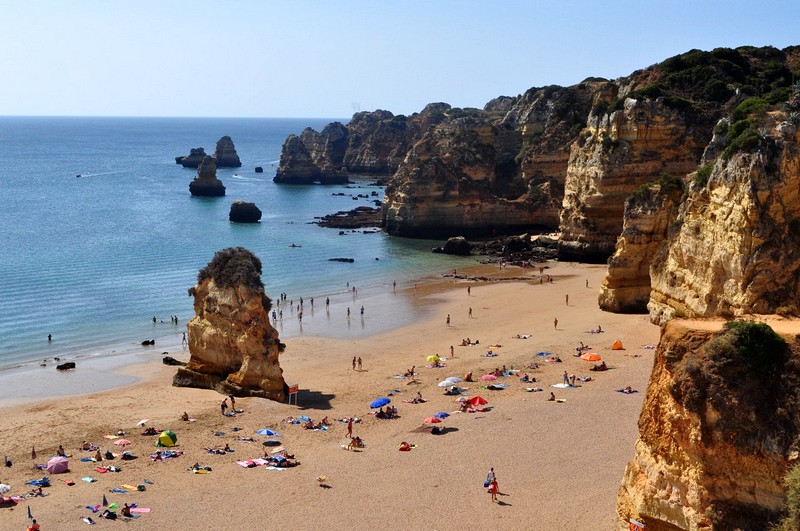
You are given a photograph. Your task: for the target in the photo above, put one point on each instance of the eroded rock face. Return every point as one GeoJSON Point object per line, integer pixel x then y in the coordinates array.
{"type": "Point", "coordinates": [225, 154]}
{"type": "Point", "coordinates": [233, 347]}
{"type": "Point", "coordinates": [616, 154]}
{"type": "Point", "coordinates": [244, 212]}
{"type": "Point", "coordinates": [716, 433]}
{"type": "Point", "coordinates": [647, 221]}
{"type": "Point", "coordinates": [737, 250]}
{"type": "Point", "coordinates": [193, 160]}
{"type": "Point", "coordinates": [296, 165]}
{"type": "Point", "coordinates": [205, 183]}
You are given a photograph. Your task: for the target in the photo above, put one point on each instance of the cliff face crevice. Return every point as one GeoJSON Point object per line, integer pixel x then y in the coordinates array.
{"type": "Point", "coordinates": [737, 250]}
{"type": "Point", "coordinates": [718, 429]}
{"type": "Point", "coordinates": [647, 222]}
{"type": "Point", "coordinates": [233, 347]}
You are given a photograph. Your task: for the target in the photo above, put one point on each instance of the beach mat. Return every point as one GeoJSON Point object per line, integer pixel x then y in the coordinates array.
{"type": "Point", "coordinates": [562, 386]}
{"type": "Point", "coordinates": [140, 510]}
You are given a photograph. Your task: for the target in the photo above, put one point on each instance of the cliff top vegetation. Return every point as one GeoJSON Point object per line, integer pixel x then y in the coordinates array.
{"type": "Point", "coordinates": [233, 266]}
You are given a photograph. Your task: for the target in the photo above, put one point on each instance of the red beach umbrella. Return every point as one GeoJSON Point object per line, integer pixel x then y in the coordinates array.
{"type": "Point", "coordinates": [488, 377]}
{"type": "Point", "coordinates": [432, 420]}
{"type": "Point", "coordinates": [478, 401]}
{"type": "Point", "coordinates": [591, 356]}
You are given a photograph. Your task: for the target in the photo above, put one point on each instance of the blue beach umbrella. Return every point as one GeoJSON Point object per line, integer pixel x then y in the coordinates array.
{"type": "Point", "coordinates": [268, 432]}
{"type": "Point", "coordinates": [442, 415]}
{"type": "Point", "coordinates": [380, 402]}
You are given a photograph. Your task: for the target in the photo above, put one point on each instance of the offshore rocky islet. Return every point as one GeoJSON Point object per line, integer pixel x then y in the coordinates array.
{"type": "Point", "coordinates": [686, 177]}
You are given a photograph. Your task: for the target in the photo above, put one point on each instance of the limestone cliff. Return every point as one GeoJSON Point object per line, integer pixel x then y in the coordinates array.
{"type": "Point", "coordinates": [616, 154]}
{"type": "Point", "coordinates": [372, 143]}
{"type": "Point", "coordinates": [718, 428]}
{"type": "Point", "coordinates": [225, 154]}
{"type": "Point", "coordinates": [655, 121]}
{"type": "Point", "coordinates": [737, 249]}
{"type": "Point", "coordinates": [205, 183]}
{"type": "Point", "coordinates": [500, 170]}
{"type": "Point", "coordinates": [233, 347]}
{"type": "Point", "coordinates": [648, 218]}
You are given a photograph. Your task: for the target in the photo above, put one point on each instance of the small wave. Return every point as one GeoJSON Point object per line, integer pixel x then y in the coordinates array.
{"type": "Point", "coordinates": [99, 174]}
{"type": "Point", "coordinates": [240, 178]}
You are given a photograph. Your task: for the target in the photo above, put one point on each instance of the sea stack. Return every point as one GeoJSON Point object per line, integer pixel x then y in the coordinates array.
{"type": "Point", "coordinates": [233, 347]}
{"type": "Point", "coordinates": [193, 160]}
{"type": "Point", "coordinates": [226, 154]}
{"type": "Point", "coordinates": [244, 212]}
{"type": "Point", "coordinates": [205, 183]}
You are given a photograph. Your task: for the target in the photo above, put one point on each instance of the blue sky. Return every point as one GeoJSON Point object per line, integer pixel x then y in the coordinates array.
{"type": "Point", "coordinates": [296, 58]}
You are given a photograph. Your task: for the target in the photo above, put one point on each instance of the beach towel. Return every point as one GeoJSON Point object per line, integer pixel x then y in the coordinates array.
{"type": "Point", "coordinates": [140, 510]}
{"type": "Point", "coordinates": [624, 392]}
{"type": "Point", "coordinates": [533, 389]}
{"type": "Point", "coordinates": [562, 386]}
{"type": "Point", "coordinates": [88, 479]}
{"type": "Point", "coordinates": [544, 353]}
{"type": "Point", "coordinates": [275, 468]}
{"type": "Point", "coordinates": [128, 486]}
{"type": "Point", "coordinates": [119, 491]}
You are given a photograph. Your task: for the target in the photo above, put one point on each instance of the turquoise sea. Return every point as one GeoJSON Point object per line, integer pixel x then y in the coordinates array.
{"type": "Point", "coordinates": [92, 259]}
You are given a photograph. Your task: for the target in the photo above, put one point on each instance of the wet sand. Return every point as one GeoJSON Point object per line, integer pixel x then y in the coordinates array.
{"type": "Point", "coordinates": [557, 463]}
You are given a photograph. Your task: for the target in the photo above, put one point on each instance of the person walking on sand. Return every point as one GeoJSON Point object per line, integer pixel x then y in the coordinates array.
{"type": "Point", "coordinates": [468, 291]}
{"type": "Point", "coordinates": [587, 282]}
{"type": "Point", "coordinates": [470, 312]}
{"type": "Point", "coordinates": [359, 363]}
{"type": "Point", "coordinates": [452, 352]}
{"type": "Point", "coordinates": [354, 363]}
{"type": "Point", "coordinates": [555, 323]}
{"type": "Point", "coordinates": [350, 427]}
{"type": "Point", "coordinates": [566, 378]}
{"type": "Point", "coordinates": [566, 298]}
{"type": "Point", "coordinates": [493, 488]}
{"type": "Point", "coordinates": [224, 405]}
{"type": "Point", "coordinates": [233, 402]}
{"type": "Point", "coordinates": [448, 319]}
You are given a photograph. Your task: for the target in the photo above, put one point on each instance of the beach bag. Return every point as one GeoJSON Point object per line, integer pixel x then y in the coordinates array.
{"type": "Point", "coordinates": [485, 483]}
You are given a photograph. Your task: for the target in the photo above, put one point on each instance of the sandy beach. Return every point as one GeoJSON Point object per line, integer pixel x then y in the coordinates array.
{"type": "Point", "coordinates": [558, 464]}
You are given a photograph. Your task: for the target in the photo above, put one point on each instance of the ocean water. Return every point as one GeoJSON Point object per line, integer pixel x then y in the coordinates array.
{"type": "Point", "coordinates": [92, 259]}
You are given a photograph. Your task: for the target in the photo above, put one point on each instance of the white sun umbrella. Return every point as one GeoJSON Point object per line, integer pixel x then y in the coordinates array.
{"type": "Point", "coordinates": [446, 383]}
{"type": "Point", "coordinates": [4, 488]}
{"type": "Point", "coordinates": [454, 379]}
{"type": "Point", "coordinates": [142, 422]}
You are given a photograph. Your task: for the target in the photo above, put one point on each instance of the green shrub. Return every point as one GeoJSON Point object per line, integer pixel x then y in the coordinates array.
{"type": "Point", "coordinates": [703, 174]}
{"type": "Point", "coordinates": [754, 343]}
{"type": "Point", "coordinates": [233, 266]}
{"type": "Point", "coordinates": [748, 107]}
{"type": "Point", "coordinates": [600, 108]}
{"type": "Point", "coordinates": [791, 519]}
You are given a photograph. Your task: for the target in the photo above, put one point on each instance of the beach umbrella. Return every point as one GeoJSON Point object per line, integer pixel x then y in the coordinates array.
{"type": "Point", "coordinates": [58, 465]}
{"type": "Point", "coordinates": [105, 501]}
{"type": "Point", "coordinates": [142, 422]}
{"type": "Point", "coordinates": [478, 401]}
{"type": "Point", "coordinates": [446, 383]}
{"type": "Point", "coordinates": [122, 442]}
{"type": "Point", "coordinates": [268, 432]}
{"type": "Point", "coordinates": [432, 420]}
{"type": "Point", "coordinates": [167, 438]}
{"type": "Point", "coordinates": [442, 415]}
{"type": "Point", "coordinates": [33, 452]}
{"type": "Point", "coordinates": [380, 402]}
{"type": "Point", "coordinates": [4, 488]}
{"type": "Point", "coordinates": [454, 379]}
{"type": "Point", "coordinates": [433, 357]}
{"type": "Point", "coordinates": [488, 377]}
{"type": "Point", "coordinates": [591, 356]}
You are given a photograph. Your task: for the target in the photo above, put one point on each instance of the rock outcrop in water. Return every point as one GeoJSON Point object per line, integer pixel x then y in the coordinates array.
{"type": "Point", "coordinates": [244, 212]}
{"type": "Point", "coordinates": [193, 160]}
{"type": "Point", "coordinates": [205, 183]}
{"type": "Point", "coordinates": [225, 154]}
{"type": "Point", "coordinates": [233, 347]}
{"type": "Point", "coordinates": [718, 430]}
